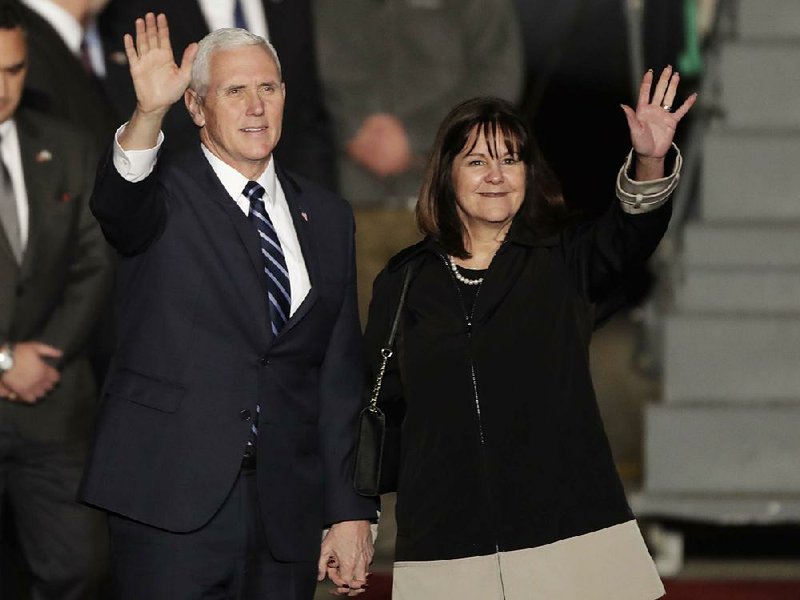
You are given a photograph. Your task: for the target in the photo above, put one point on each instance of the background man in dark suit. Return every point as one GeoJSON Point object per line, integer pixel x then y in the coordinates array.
{"type": "Point", "coordinates": [54, 275]}
{"type": "Point", "coordinates": [228, 425]}
{"type": "Point", "coordinates": [60, 80]}
{"type": "Point", "coordinates": [307, 145]}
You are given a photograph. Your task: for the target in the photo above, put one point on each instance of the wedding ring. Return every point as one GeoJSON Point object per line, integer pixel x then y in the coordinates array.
{"type": "Point", "coordinates": [667, 107]}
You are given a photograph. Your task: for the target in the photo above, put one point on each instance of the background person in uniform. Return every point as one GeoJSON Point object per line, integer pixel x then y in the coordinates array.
{"type": "Point", "coordinates": [54, 277]}
{"type": "Point", "coordinates": [226, 437]}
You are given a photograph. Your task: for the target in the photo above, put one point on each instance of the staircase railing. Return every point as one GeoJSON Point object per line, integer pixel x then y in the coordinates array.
{"type": "Point", "coordinates": [666, 263]}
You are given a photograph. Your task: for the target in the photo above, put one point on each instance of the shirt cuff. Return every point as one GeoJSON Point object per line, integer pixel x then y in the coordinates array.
{"type": "Point", "coordinates": [135, 165]}
{"type": "Point", "coordinates": [638, 197]}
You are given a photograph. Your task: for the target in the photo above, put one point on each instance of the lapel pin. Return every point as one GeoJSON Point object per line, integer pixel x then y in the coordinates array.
{"type": "Point", "coordinates": [44, 156]}
{"type": "Point", "coordinates": [66, 197]}
{"type": "Point", "coordinates": [304, 215]}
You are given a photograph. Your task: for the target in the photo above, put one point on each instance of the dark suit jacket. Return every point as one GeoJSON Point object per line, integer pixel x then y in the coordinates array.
{"type": "Point", "coordinates": [306, 146]}
{"type": "Point", "coordinates": [196, 354]}
{"type": "Point", "coordinates": [64, 279]}
{"type": "Point", "coordinates": [58, 85]}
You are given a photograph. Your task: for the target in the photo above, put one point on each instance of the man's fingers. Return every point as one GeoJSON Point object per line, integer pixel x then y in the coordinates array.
{"type": "Point", "coordinates": [360, 571]}
{"type": "Point", "coordinates": [142, 45]}
{"type": "Point", "coordinates": [322, 565]}
{"type": "Point", "coordinates": [130, 49]}
{"type": "Point", "coordinates": [48, 351]}
{"type": "Point", "coordinates": [335, 575]}
{"type": "Point", "coordinates": [163, 32]}
{"type": "Point", "coordinates": [187, 61]}
{"type": "Point", "coordinates": [151, 29]}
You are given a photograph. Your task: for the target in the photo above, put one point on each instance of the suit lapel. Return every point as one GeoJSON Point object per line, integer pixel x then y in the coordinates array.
{"type": "Point", "coordinates": [302, 226]}
{"type": "Point", "coordinates": [40, 168]}
{"type": "Point", "coordinates": [250, 284]}
{"type": "Point", "coordinates": [5, 246]}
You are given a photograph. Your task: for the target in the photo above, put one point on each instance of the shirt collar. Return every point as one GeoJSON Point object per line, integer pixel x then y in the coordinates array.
{"type": "Point", "coordinates": [234, 182]}
{"type": "Point", "coordinates": [6, 127]}
{"type": "Point", "coordinates": [8, 136]}
{"type": "Point", "coordinates": [64, 23]}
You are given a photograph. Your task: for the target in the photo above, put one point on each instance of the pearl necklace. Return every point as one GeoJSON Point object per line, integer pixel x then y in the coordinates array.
{"type": "Point", "coordinates": [459, 276]}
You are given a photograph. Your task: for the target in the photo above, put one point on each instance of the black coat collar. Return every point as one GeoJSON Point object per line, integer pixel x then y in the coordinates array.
{"type": "Point", "coordinates": [519, 235]}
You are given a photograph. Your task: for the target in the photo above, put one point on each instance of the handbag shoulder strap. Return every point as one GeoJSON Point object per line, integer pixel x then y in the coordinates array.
{"type": "Point", "coordinates": [387, 350]}
{"type": "Point", "coordinates": [400, 303]}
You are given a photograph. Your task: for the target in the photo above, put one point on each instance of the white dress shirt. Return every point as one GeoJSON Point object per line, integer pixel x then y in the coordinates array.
{"type": "Point", "coordinates": [136, 165]}
{"type": "Point", "coordinates": [9, 150]}
{"type": "Point", "coordinates": [219, 13]}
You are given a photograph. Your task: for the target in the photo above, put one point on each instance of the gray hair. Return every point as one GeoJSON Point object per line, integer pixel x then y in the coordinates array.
{"type": "Point", "coordinates": [224, 39]}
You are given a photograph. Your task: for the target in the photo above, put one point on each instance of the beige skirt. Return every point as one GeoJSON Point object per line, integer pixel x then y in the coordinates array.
{"type": "Point", "coordinates": [610, 564]}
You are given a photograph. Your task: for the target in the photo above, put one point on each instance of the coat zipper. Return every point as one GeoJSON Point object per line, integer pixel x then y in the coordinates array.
{"type": "Point", "coordinates": [468, 319]}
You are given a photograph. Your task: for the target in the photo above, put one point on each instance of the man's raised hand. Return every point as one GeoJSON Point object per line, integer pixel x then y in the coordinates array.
{"type": "Point", "coordinates": [158, 81]}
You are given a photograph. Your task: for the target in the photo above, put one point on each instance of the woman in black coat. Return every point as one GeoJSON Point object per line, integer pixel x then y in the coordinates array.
{"type": "Point", "coordinates": [507, 485]}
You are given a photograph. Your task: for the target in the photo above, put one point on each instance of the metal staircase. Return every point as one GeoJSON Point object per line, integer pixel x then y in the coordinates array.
{"type": "Point", "coordinates": [723, 444]}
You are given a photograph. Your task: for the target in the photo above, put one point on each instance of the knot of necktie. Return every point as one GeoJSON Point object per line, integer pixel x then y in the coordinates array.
{"type": "Point", "coordinates": [253, 191]}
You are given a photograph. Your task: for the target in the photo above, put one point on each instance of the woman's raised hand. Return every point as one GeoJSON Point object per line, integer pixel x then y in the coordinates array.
{"type": "Point", "coordinates": [652, 124]}
{"type": "Point", "coordinates": [158, 81]}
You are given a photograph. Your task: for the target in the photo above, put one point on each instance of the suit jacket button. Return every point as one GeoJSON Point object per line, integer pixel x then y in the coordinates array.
{"type": "Point", "coordinates": [245, 415]}
{"type": "Point", "coordinates": [264, 361]}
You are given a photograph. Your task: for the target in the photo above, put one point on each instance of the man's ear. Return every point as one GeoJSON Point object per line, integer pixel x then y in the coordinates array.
{"type": "Point", "coordinates": [195, 107]}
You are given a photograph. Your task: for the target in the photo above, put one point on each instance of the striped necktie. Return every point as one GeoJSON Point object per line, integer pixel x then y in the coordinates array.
{"type": "Point", "coordinates": [279, 298]}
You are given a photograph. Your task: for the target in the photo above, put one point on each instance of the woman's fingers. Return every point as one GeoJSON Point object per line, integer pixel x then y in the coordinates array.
{"type": "Point", "coordinates": [672, 89]}
{"type": "Point", "coordinates": [684, 108]}
{"type": "Point", "coordinates": [644, 90]}
{"type": "Point", "coordinates": [662, 85]}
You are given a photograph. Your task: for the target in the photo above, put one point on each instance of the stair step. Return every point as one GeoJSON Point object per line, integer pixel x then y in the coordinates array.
{"type": "Point", "coordinates": [751, 173]}
{"type": "Point", "coordinates": [761, 83]}
{"type": "Point", "coordinates": [722, 449]}
{"type": "Point", "coordinates": [731, 357]}
{"type": "Point", "coordinates": [740, 290]}
{"type": "Point", "coordinates": [773, 19]}
{"type": "Point", "coordinates": [727, 244]}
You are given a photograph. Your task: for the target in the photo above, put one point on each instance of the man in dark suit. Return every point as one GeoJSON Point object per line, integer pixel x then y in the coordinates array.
{"type": "Point", "coordinates": [58, 82]}
{"type": "Point", "coordinates": [226, 436]}
{"type": "Point", "coordinates": [54, 275]}
{"type": "Point", "coordinates": [307, 145]}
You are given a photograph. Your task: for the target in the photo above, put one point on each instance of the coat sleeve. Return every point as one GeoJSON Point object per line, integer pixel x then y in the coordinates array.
{"type": "Point", "coordinates": [602, 253]}
{"type": "Point", "coordinates": [131, 215]}
{"type": "Point", "coordinates": [340, 388]}
{"type": "Point", "coordinates": [89, 277]}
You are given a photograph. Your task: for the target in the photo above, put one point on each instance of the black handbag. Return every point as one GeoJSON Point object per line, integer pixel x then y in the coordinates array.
{"type": "Point", "coordinates": [377, 464]}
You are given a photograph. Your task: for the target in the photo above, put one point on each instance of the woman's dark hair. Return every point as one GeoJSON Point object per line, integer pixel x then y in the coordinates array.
{"type": "Point", "coordinates": [543, 207]}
